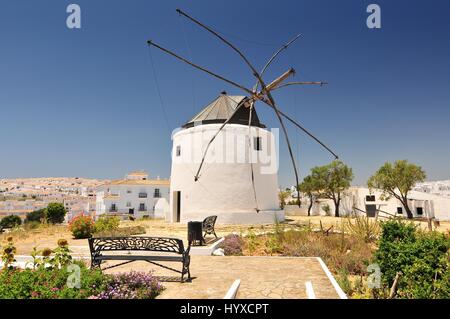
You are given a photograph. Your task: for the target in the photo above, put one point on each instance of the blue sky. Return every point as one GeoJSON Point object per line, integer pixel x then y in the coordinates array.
{"type": "Point", "coordinates": [84, 102]}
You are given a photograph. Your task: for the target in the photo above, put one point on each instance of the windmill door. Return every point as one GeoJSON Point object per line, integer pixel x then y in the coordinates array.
{"type": "Point", "coordinates": [177, 206]}
{"type": "Point", "coordinates": [371, 210]}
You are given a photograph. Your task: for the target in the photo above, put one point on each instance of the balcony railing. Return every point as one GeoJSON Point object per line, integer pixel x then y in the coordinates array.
{"type": "Point", "coordinates": [142, 195]}
{"type": "Point", "coordinates": [113, 209]}
{"type": "Point", "coordinates": [142, 209]}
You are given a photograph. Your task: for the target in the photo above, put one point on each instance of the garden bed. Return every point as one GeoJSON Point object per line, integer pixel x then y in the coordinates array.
{"type": "Point", "coordinates": [420, 257]}
{"type": "Point", "coordinates": [54, 275]}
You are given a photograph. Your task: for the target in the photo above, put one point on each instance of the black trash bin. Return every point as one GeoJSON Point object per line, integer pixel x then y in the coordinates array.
{"type": "Point", "coordinates": [195, 233]}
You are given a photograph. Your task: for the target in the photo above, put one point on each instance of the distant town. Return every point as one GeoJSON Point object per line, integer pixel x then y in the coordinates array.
{"type": "Point", "coordinates": [19, 196]}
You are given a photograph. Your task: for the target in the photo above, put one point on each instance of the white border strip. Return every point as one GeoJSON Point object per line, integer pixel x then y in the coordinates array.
{"type": "Point", "coordinates": [338, 289]}
{"type": "Point", "coordinates": [232, 292]}
{"type": "Point", "coordinates": [310, 290]}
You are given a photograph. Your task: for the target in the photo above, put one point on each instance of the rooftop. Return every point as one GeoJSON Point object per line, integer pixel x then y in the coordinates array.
{"type": "Point", "coordinates": [150, 182]}
{"type": "Point", "coordinates": [219, 110]}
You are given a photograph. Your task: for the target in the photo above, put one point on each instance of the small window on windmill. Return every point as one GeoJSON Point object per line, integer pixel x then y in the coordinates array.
{"type": "Point", "coordinates": [178, 151]}
{"type": "Point", "coordinates": [419, 211]}
{"type": "Point", "coordinates": [400, 210]}
{"type": "Point", "coordinates": [257, 143]}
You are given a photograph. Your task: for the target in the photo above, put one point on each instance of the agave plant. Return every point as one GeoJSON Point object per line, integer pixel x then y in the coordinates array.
{"type": "Point", "coordinates": [363, 227]}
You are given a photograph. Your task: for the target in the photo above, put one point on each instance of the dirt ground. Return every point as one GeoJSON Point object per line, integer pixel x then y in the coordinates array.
{"type": "Point", "coordinates": [261, 277]}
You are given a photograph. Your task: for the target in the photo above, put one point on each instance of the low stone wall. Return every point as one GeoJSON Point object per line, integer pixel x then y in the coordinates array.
{"type": "Point", "coordinates": [294, 210]}
{"type": "Point", "coordinates": [239, 218]}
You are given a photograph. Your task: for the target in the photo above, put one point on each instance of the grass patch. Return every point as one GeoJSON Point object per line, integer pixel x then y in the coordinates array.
{"type": "Point", "coordinates": [122, 232]}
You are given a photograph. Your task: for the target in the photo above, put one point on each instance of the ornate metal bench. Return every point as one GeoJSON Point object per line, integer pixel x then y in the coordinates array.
{"type": "Point", "coordinates": [144, 244]}
{"type": "Point", "coordinates": [208, 226]}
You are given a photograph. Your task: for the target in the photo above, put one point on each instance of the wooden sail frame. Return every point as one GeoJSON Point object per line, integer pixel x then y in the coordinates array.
{"type": "Point", "coordinates": [264, 94]}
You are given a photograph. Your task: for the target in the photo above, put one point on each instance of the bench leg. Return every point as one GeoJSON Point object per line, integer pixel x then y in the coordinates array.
{"type": "Point", "coordinates": [185, 269]}
{"type": "Point", "coordinates": [95, 264]}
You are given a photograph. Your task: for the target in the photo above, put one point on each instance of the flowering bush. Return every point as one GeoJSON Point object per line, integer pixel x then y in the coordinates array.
{"type": "Point", "coordinates": [49, 277]}
{"type": "Point", "coordinates": [82, 227]}
{"type": "Point", "coordinates": [232, 245]}
{"type": "Point", "coordinates": [53, 278]}
{"type": "Point", "coordinates": [132, 285]}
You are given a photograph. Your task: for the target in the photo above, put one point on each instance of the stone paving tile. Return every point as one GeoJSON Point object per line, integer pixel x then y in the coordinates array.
{"type": "Point", "coordinates": [261, 277]}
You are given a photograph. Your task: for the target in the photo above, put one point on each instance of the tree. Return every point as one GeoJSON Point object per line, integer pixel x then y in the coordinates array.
{"type": "Point", "coordinates": [10, 221]}
{"type": "Point", "coordinates": [396, 180]}
{"type": "Point", "coordinates": [55, 213]}
{"type": "Point", "coordinates": [309, 187]}
{"type": "Point", "coordinates": [282, 196]}
{"type": "Point", "coordinates": [332, 180]}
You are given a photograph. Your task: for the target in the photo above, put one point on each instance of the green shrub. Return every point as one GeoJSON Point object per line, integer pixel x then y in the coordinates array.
{"type": "Point", "coordinates": [55, 213]}
{"type": "Point", "coordinates": [31, 225]}
{"type": "Point", "coordinates": [343, 280]}
{"type": "Point", "coordinates": [420, 257]}
{"type": "Point", "coordinates": [10, 221]}
{"type": "Point", "coordinates": [82, 227]}
{"type": "Point", "coordinates": [327, 209]}
{"type": "Point", "coordinates": [35, 216]}
{"type": "Point", "coordinates": [62, 255]}
{"type": "Point", "coordinates": [8, 254]}
{"type": "Point", "coordinates": [106, 223]}
{"type": "Point", "coordinates": [394, 248]}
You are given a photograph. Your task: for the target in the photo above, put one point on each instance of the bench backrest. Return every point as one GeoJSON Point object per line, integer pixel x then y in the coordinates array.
{"type": "Point", "coordinates": [158, 244]}
{"type": "Point", "coordinates": [208, 223]}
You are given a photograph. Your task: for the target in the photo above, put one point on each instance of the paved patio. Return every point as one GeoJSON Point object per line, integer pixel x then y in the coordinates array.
{"type": "Point", "coordinates": [261, 277]}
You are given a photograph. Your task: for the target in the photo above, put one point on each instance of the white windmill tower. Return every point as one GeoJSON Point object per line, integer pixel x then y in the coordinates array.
{"type": "Point", "coordinates": [227, 188]}
{"type": "Point", "coordinates": [237, 192]}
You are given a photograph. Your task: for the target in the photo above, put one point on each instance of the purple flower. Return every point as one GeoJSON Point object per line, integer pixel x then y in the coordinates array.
{"type": "Point", "coordinates": [132, 285]}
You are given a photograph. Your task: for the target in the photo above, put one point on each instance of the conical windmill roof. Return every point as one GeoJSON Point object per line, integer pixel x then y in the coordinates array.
{"type": "Point", "coordinates": [219, 110]}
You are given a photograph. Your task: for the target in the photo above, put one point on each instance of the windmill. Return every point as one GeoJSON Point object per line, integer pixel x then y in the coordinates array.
{"type": "Point", "coordinates": [261, 91]}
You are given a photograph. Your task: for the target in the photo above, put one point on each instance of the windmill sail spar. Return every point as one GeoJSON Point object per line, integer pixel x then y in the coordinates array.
{"type": "Point", "coordinates": [263, 95]}
{"type": "Point", "coordinates": [263, 86]}
{"type": "Point", "coordinates": [150, 42]}
{"type": "Point", "coordinates": [274, 56]}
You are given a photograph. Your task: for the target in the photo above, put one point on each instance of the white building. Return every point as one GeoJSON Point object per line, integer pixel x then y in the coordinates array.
{"type": "Point", "coordinates": [224, 187]}
{"type": "Point", "coordinates": [421, 204]}
{"type": "Point", "coordinates": [441, 188]}
{"type": "Point", "coordinates": [136, 195]}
